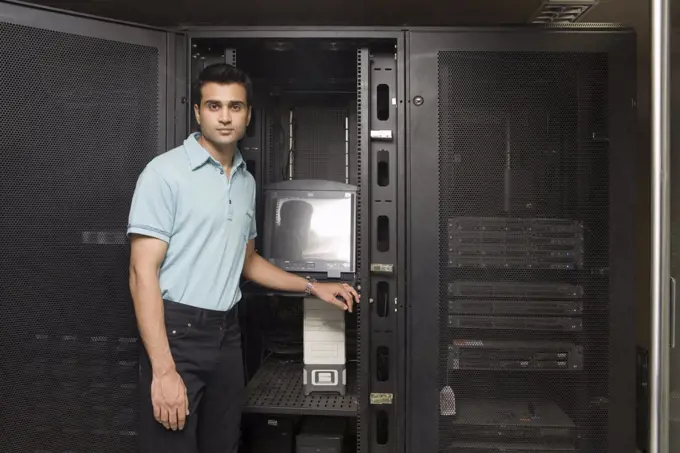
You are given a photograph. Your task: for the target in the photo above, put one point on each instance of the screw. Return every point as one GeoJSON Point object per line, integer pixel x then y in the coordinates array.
{"type": "Point", "coordinates": [418, 101]}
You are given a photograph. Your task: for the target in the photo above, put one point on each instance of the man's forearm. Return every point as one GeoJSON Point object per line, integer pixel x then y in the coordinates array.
{"type": "Point", "coordinates": [146, 295]}
{"type": "Point", "coordinates": [264, 273]}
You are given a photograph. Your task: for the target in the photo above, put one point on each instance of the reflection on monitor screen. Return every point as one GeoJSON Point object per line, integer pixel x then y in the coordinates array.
{"type": "Point", "coordinates": [310, 227]}
{"type": "Point", "coordinates": [313, 229]}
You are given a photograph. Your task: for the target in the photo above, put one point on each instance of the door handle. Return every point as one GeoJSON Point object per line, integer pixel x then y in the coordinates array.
{"type": "Point", "coordinates": [672, 311]}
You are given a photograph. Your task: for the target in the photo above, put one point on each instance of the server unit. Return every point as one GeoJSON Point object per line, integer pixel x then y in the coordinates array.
{"type": "Point", "coordinates": [521, 232]}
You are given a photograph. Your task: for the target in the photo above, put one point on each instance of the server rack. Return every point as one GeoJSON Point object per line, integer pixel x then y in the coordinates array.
{"type": "Point", "coordinates": [67, 330]}
{"type": "Point", "coordinates": [521, 170]}
{"type": "Point", "coordinates": [372, 103]}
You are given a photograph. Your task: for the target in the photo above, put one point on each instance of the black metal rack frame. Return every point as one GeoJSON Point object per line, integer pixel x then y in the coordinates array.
{"type": "Point", "coordinates": [425, 273]}
{"type": "Point", "coordinates": [374, 395]}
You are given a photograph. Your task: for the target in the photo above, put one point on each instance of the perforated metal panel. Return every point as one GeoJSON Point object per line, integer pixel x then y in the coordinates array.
{"type": "Point", "coordinates": [321, 144]}
{"type": "Point", "coordinates": [523, 228]}
{"type": "Point", "coordinates": [79, 118]}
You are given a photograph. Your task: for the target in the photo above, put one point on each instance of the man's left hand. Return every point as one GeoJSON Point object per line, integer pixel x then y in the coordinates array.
{"type": "Point", "coordinates": [329, 292]}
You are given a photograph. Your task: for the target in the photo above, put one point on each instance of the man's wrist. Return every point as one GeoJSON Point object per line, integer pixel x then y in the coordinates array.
{"type": "Point", "coordinates": [309, 286]}
{"type": "Point", "coordinates": [161, 366]}
{"type": "Point", "coordinates": [161, 370]}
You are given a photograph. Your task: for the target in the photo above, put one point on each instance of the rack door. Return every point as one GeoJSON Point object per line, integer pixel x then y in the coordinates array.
{"type": "Point", "coordinates": [521, 232]}
{"type": "Point", "coordinates": [82, 110]}
{"type": "Point", "coordinates": [671, 368]}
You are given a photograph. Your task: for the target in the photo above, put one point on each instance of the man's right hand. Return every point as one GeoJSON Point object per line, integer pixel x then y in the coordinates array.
{"type": "Point", "coordinates": [170, 400]}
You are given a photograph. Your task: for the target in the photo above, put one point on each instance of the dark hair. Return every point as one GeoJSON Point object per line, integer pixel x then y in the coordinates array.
{"type": "Point", "coordinates": [221, 73]}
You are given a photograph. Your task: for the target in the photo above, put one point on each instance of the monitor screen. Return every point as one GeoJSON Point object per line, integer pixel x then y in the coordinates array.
{"type": "Point", "coordinates": [311, 230]}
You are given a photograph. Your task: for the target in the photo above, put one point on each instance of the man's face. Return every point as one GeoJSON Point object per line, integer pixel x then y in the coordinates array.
{"type": "Point", "coordinates": [223, 114]}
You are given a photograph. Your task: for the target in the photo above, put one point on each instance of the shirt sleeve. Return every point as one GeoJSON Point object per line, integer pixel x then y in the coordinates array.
{"type": "Point", "coordinates": [152, 210]}
{"type": "Point", "coordinates": [253, 223]}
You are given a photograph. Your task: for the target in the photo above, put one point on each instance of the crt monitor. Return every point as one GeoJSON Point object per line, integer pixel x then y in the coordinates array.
{"type": "Point", "coordinates": [309, 227]}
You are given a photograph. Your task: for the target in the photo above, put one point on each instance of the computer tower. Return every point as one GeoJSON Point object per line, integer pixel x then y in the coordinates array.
{"type": "Point", "coordinates": [324, 343]}
{"type": "Point", "coordinates": [270, 433]}
{"type": "Point", "coordinates": [321, 435]}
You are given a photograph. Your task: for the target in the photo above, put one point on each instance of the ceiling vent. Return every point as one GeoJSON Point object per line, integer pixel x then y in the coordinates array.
{"type": "Point", "coordinates": [562, 11]}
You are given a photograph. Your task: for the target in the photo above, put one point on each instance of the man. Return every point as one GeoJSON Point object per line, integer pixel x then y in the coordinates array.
{"type": "Point", "coordinates": [192, 227]}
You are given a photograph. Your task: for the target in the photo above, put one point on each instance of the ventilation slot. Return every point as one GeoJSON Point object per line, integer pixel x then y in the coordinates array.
{"type": "Point", "coordinates": [383, 299]}
{"type": "Point", "coordinates": [383, 168]}
{"type": "Point", "coordinates": [382, 434]}
{"type": "Point", "coordinates": [383, 233]}
{"type": "Point", "coordinates": [382, 357]}
{"type": "Point", "coordinates": [383, 102]}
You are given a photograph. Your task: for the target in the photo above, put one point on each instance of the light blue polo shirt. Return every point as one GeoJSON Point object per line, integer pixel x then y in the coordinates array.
{"type": "Point", "coordinates": [183, 197]}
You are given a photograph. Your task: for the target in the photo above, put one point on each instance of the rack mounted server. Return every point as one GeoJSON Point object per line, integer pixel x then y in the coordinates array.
{"type": "Point", "coordinates": [514, 355]}
{"type": "Point", "coordinates": [490, 242]}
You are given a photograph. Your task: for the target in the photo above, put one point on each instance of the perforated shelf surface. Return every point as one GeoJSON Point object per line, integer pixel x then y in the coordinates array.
{"type": "Point", "coordinates": [276, 388]}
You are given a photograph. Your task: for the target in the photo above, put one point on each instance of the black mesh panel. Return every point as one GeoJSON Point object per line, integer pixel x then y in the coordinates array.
{"type": "Point", "coordinates": [320, 144]}
{"type": "Point", "coordinates": [523, 251]}
{"type": "Point", "coordinates": [78, 120]}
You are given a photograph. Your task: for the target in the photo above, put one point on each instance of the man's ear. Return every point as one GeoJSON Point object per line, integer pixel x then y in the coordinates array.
{"type": "Point", "coordinates": [197, 113]}
{"type": "Point", "coordinates": [250, 114]}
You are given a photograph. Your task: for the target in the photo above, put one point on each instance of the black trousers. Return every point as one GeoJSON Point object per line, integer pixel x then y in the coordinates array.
{"type": "Point", "coordinates": [206, 348]}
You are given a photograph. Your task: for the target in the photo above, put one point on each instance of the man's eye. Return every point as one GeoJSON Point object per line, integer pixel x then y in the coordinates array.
{"type": "Point", "coordinates": [236, 107]}
{"type": "Point", "coordinates": [213, 106]}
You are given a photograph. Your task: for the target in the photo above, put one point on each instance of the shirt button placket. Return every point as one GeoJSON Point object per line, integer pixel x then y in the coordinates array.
{"type": "Point", "coordinates": [231, 211]}
{"type": "Point", "coordinates": [228, 194]}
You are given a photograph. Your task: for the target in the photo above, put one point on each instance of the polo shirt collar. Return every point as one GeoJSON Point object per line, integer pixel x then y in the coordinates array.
{"type": "Point", "coordinates": [198, 155]}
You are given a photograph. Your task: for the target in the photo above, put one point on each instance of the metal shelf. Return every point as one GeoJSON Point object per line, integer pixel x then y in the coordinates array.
{"type": "Point", "coordinates": [276, 388]}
